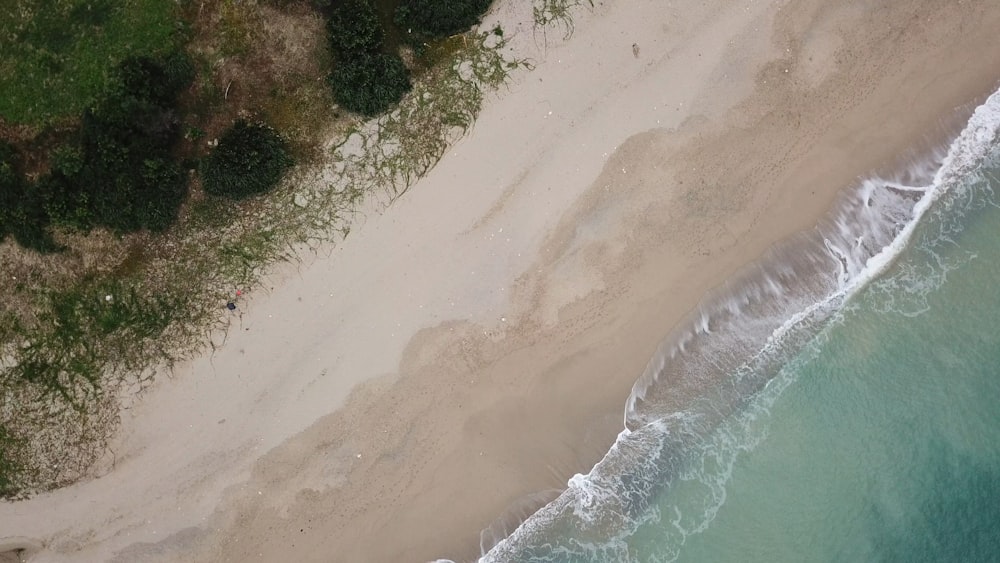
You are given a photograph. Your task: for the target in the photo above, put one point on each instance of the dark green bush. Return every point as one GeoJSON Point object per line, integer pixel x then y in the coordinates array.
{"type": "Point", "coordinates": [427, 19]}
{"type": "Point", "coordinates": [116, 171]}
{"type": "Point", "coordinates": [138, 112]}
{"type": "Point", "coordinates": [370, 83]}
{"type": "Point", "coordinates": [364, 80]}
{"type": "Point", "coordinates": [142, 192]}
{"type": "Point", "coordinates": [157, 81]}
{"type": "Point", "coordinates": [23, 212]}
{"type": "Point", "coordinates": [11, 188]}
{"type": "Point", "coordinates": [249, 159]}
{"type": "Point", "coordinates": [122, 174]}
{"type": "Point", "coordinates": [353, 27]}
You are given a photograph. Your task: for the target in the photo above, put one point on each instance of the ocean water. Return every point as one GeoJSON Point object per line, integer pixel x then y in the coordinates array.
{"type": "Point", "coordinates": [837, 401]}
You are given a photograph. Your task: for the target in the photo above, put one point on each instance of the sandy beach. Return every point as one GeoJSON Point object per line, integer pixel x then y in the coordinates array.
{"type": "Point", "coordinates": [467, 350]}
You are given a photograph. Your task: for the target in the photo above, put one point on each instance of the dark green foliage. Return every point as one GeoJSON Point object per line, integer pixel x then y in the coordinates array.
{"type": "Point", "coordinates": [23, 213]}
{"type": "Point", "coordinates": [116, 170]}
{"type": "Point", "coordinates": [31, 221]}
{"type": "Point", "coordinates": [122, 175]}
{"type": "Point", "coordinates": [11, 188]}
{"type": "Point", "coordinates": [154, 81]}
{"type": "Point", "coordinates": [370, 83]}
{"type": "Point", "coordinates": [138, 112]}
{"type": "Point", "coordinates": [353, 27]}
{"type": "Point", "coordinates": [364, 80]}
{"type": "Point", "coordinates": [250, 159]}
{"type": "Point", "coordinates": [426, 19]}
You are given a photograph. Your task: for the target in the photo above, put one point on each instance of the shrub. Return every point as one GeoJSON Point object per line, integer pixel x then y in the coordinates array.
{"type": "Point", "coordinates": [146, 195]}
{"type": "Point", "coordinates": [122, 175]}
{"type": "Point", "coordinates": [30, 221]}
{"type": "Point", "coordinates": [370, 83]}
{"type": "Point", "coordinates": [249, 159]}
{"type": "Point", "coordinates": [138, 112]}
{"type": "Point", "coordinates": [364, 80]}
{"type": "Point", "coordinates": [427, 19]}
{"type": "Point", "coordinates": [23, 212]}
{"type": "Point", "coordinates": [157, 81]}
{"type": "Point", "coordinates": [116, 170]}
{"type": "Point", "coordinates": [353, 27]}
{"type": "Point", "coordinates": [11, 188]}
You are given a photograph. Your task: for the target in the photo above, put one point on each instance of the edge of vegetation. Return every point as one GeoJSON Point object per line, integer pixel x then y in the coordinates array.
{"type": "Point", "coordinates": [93, 345]}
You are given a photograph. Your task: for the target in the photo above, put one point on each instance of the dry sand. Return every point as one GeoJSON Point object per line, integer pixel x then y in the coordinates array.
{"type": "Point", "coordinates": [473, 345]}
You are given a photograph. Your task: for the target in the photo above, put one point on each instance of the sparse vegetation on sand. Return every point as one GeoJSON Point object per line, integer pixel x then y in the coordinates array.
{"type": "Point", "coordinates": [83, 330]}
{"type": "Point", "coordinates": [558, 14]}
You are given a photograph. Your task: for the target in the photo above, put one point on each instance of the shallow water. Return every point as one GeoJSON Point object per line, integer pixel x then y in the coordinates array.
{"type": "Point", "coordinates": [840, 400]}
{"type": "Point", "coordinates": [885, 446]}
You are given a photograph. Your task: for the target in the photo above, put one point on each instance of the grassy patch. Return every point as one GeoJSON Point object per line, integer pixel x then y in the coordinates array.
{"type": "Point", "coordinates": [56, 55]}
{"type": "Point", "coordinates": [60, 378]}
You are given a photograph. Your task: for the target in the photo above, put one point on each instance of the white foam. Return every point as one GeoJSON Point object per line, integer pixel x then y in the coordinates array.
{"type": "Point", "coordinates": [874, 214]}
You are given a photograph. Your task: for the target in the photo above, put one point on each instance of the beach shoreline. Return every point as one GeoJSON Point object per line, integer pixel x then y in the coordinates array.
{"type": "Point", "coordinates": [489, 325]}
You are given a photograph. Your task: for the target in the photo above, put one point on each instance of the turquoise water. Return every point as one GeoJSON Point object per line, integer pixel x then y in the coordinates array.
{"type": "Point", "coordinates": [885, 446]}
{"type": "Point", "coordinates": [839, 401]}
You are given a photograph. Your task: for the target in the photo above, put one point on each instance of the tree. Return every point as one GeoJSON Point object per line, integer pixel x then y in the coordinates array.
{"type": "Point", "coordinates": [353, 27]}
{"type": "Point", "coordinates": [116, 170]}
{"type": "Point", "coordinates": [155, 80]}
{"type": "Point", "coordinates": [11, 188]}
{"type": "Point", "coordinates": [250, 159]}
{"type": "Point", "coordinates": [428, 19]}
{"type": "Point", "coordinates": [23, 212]}
{"type": "Point", "coordinates": [370, 83]}
{"type": "Point", "coordinates": [122, 174]}
{"type": "Point", "coordinates": [364, 80]}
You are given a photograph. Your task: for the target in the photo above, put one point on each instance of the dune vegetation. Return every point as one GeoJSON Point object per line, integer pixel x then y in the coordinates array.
{"type": "Point", "coordinates": [148, 174]}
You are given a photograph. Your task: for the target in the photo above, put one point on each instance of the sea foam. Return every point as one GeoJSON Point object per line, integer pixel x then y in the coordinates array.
{"type": "Point", "coordinates": [696, 391]}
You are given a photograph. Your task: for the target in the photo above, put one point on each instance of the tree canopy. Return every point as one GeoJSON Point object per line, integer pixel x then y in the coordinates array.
{"type": "Point", "coordinates": [370, 83]}
{"type": "Point", "coordinates": [353, 27]}
{"type": "Point", "coordinates": [116, 169]}
{"type": "Point", "coordinates": [429, 19]}
{"type": "Point", "coordinates": [250, 159]}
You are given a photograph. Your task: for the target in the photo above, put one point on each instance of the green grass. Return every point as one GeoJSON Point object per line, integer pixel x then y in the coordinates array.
{"type": "Point", "coordinates": [56, 56]}
{"type": "Point", "coordinates": [59, 397]}
{"type": "Point", "coordinates": [84, 329]}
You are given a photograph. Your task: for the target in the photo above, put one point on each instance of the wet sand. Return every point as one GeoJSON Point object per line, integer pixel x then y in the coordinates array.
{"type": "Point", "coordinates": [473, 346]}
